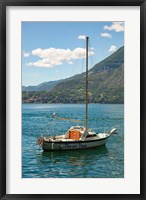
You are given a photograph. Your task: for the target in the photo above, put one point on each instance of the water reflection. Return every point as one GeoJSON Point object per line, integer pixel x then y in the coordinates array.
{"type": "Point", "coordinates": [71, 163]}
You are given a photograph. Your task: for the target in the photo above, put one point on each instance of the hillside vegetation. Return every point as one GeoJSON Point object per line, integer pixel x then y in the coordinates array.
{"type": "Point", "coordinates": [106, 85]}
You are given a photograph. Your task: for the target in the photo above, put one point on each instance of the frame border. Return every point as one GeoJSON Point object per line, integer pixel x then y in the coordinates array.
{"type": "Point", "coordinates": [3, 5]}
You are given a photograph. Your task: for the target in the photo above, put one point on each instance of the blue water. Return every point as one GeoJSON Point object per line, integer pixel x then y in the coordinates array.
{"type": "Point", "coordinates": [101, 162]}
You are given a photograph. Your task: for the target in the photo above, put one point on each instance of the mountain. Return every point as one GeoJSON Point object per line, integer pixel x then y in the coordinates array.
{"type": "Point", "coordinates": [106, 85]}
{"type": "Point", "coordinates": [46, 86]}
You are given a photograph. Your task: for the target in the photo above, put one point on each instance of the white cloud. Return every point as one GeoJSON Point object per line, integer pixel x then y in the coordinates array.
{"type": "Point", "coordinates": [70, 62]}
{"type": "Point", "coordinates": [82, 37]}
{"type": "Point", "coordinates": [116, 26]}
{"type": "Point", "coordinates": [112, 48]}
{"type": "Point", "coordinates": [91, 48]}
{"type": "Point", "coordinates": [107, 35]}
{"type": "Point", "coordinates": [26, 54]}
{"type": "Point", "coordinates": [52, 56]}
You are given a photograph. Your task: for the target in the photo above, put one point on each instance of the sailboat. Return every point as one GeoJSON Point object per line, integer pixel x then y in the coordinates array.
{"type": "Point", "coordinates": [77, 137]}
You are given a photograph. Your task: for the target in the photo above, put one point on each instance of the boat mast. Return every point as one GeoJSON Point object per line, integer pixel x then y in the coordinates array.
{"type": "Point", "coordinates": [87, 39]}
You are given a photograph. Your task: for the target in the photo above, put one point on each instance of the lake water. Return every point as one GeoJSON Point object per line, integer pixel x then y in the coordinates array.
{"type": "Point", "coordinates": [101, 162]}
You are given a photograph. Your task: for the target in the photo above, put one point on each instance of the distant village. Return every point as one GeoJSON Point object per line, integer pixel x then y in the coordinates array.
{"type": "Point", "coordinates": [35, 100]}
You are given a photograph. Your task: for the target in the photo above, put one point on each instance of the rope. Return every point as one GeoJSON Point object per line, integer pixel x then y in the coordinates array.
{"type": "Point", "coordinates": [61, 118]}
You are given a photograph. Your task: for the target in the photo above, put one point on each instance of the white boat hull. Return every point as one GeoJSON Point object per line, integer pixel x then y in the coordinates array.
{"type": "Point", "coordinates": [52, 146]}
{"type": "Point", "coordinates": [64, 142]}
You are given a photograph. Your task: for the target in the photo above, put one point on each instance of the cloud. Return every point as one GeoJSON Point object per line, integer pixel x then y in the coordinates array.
{"type": "Point", "coordinates": [82, 37]}
{"type": "Point", "coordinates": [91, 48]}
{"type": "Point", "coordinates": [53, 56]}
{"type": "Point", "coordinates": [107, 35]}
{"type": "Point", "coordinates": [116, 26]}
{"type": "Point", "coordinates": [70, 62]}
{"type": "Point", "coordinates": [113, 48]}
{"type": "Point", "coordinates": [26, 54]}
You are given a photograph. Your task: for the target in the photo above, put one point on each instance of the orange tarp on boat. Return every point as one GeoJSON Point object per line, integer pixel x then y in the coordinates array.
{"type": "Point", "coordinates": [74, 134]}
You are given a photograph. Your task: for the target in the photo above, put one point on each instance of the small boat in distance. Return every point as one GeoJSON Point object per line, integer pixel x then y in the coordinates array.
{"type": "Point", "coordinates": [77, 137]}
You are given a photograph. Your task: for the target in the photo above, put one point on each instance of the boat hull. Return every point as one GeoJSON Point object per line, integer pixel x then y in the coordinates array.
{"type": "Point", "coordinates": [55, 146]}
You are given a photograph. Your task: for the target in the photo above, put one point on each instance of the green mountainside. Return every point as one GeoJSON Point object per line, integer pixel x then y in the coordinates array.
{"type": "Point", "coordinates": [46, 86]}
{"type": "Point", "coordinates": [106, 85]}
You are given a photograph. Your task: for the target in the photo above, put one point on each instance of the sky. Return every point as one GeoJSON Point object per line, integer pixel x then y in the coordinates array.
{"type": "Point", "coordinates": [56, 50]}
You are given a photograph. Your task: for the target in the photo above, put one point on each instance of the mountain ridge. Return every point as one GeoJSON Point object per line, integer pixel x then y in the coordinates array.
{"type": "Point", "coordinates": [106, 85]}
